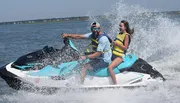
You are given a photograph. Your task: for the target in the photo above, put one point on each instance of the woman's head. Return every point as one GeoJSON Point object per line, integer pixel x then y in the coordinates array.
{"type": "Point", "coordinates": [124, 26]}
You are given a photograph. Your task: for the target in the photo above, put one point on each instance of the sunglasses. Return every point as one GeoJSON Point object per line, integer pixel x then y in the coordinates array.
{"type": "Point", "coordinates": [93, 29]}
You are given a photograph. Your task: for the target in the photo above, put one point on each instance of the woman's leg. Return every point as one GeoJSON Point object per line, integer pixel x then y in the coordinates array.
{"type": "Point", "coordinates": [114, 63]}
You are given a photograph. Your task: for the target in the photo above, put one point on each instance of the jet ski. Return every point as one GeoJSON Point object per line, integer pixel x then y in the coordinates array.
{"type": "Point", "coordinates": [60, 68]}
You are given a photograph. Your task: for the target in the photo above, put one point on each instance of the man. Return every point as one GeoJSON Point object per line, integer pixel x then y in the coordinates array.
{"type": "Point", "coordinates": [101, 56]}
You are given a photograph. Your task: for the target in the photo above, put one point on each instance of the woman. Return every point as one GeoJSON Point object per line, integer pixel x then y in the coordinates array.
{"type": "Point", "coordinates": [120, 46]}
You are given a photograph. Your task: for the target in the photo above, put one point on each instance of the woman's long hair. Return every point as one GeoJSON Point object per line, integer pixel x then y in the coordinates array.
{"type": "Point", "coordinates": [128, 30]}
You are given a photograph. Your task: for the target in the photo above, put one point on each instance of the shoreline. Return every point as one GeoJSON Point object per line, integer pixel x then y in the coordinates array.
{"type": "Point", "coordinates": [49, 20]}
{"type": "Point", "coordinates": [46, 20]}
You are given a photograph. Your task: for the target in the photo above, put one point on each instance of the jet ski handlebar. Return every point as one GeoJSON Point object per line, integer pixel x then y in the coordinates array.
{"type": "Point", "coordinates": [66, 40]}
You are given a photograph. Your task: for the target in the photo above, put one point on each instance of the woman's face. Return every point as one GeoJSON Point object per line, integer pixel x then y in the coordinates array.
{"type": "Point", "coordinates": [122, 28]}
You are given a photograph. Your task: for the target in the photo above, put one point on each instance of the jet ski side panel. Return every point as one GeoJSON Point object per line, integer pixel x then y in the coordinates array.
{"type": "Point", "coordinates": [68, 68]}
{"type": "Point", "coordinates": [129, 60]}
{"type": "Point", "coordinates": [61, 70]}
{"type": "Point", "coordinates": [142, 66]}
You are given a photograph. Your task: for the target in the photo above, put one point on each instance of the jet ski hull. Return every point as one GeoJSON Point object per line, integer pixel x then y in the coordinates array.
{"type": "Point", "coordinates": [59, 68]}
{"type": "Point", "coordinates": [18, 79]}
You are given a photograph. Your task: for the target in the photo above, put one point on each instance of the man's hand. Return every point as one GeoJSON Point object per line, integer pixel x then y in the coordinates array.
{"type": "Point", "coordinates": [83, 57]}
{"type": "Point", "coordinates": [114, 42]}
{"type": "Point", "coordinates": [64, 35]}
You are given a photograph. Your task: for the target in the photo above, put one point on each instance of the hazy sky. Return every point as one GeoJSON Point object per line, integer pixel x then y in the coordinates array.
{"type": "Point", "coordinates": [13, 10]}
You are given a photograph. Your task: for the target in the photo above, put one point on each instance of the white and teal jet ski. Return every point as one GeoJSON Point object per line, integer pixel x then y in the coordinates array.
{"type": "Point", "coordinates": [59, 68]}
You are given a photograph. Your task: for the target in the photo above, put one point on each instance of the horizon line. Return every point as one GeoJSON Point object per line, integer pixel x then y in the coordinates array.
{"type": "Point", "coordinates": [64, 18]}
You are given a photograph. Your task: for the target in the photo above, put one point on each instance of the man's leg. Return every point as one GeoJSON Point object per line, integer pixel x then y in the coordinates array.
{"type": "Point", "coordinates": [84, 70]}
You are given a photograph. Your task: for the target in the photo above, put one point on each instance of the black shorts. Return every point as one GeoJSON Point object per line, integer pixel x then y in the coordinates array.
{"type": "Point", "coordinates": [98, 63]}
{"type": "Point", "coordinates": [115, 56]}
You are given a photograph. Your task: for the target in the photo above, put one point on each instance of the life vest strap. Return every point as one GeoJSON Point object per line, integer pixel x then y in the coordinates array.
{"type": "Point", "coordinates": [94, 40]}
{"type": "Point", "coordinates": [118, 51]}
{"type": "Point", "coordinates": [119, 40]}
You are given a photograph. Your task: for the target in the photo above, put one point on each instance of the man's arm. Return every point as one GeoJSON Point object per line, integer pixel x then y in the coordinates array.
{"type": "Point", "coordinates": [74, 36]}
{"type": "Point", "coordinates": [94, 55]}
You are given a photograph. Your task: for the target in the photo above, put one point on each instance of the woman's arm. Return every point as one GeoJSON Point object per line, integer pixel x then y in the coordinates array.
{"type": "Point", "coordinates": [126, 43]}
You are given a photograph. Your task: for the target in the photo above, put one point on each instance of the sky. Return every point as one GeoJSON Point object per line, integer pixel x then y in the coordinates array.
{"type": "Point", "coordinates": [15, 10]}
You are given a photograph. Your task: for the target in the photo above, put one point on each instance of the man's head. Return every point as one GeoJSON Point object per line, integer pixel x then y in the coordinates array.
{"type": "Point", "coordinates": [95, 24]}
{"type": "Point", "coordinates": [95, 28]}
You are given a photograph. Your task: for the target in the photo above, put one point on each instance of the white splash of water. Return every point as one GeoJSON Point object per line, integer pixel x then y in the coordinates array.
{"type": "Point", "coordinates": [155, 38]}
